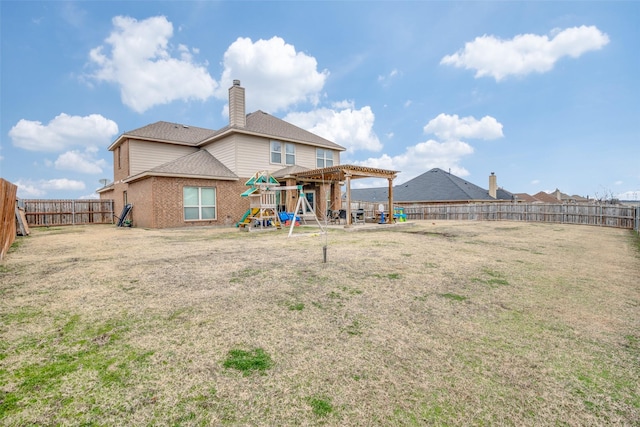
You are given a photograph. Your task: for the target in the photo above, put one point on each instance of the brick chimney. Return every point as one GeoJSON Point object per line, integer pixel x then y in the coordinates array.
{"type": "Point", "coordinates": [237, 114]}
{"type": "Point", "coordinates": [493, 185]}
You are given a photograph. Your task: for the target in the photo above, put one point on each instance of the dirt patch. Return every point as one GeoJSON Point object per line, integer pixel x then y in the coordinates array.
{"type": "Point", "coordinates": [441, 323]}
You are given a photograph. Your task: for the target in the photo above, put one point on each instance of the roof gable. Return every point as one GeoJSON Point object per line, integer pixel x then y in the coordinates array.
{"type": "Point", "coordinates": [171, 132]}
{"type": "Point", "coordinates": [266, 125]}
{"type": "Point", "coordinates": [259, 122]}
{"type": "Point", "coordinates": [200, 163]}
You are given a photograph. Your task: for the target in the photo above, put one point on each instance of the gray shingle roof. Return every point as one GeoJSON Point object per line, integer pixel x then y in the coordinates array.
{"type": "Point", "coordinates": [270, 126]}
{"type": "Point", "coordinates": [258, 122]}
{"type": "Point", "coordinates": [172, 132]}
{"type": "Point", "coordinates": [200, 163]}
{"type": "Point", "coordinates": [433, 185]}
{"type": "Point", "coordinates": [281, 173]}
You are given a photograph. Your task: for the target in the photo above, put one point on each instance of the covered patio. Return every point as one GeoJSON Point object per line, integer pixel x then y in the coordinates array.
{"type": "Point", "coordinates": [334, 176]}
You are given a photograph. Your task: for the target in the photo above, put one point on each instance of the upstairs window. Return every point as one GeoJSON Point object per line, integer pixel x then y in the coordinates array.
{"type": "Point", "coordinates": [324, 158]}
{"type": "Point", "coordinates": [276, 152]}
{"type": "Point", "coordinates": [199, 203]}
{"type": "Point", "coordinates": [290, 154]}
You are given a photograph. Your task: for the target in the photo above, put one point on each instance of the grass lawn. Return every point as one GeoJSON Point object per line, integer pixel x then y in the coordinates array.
{"type": "Point", "coordinates": [446, 323]}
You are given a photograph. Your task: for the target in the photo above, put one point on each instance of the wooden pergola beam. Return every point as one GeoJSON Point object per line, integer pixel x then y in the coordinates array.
{"type": "Point", "coordinates": [346, 173]}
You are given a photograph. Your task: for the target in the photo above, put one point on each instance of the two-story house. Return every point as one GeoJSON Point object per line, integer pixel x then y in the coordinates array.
{"type": "Point", "coordinates": [176, 175]}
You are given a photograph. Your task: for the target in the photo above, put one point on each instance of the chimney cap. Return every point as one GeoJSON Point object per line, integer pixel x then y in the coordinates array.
{"type": "Point", "coordinates": [236, 82]}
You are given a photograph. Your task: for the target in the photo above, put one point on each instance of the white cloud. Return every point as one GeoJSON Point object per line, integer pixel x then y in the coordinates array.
{"type": "Point", "coordinates": [445, 153]}
{"type": "Point", "coordinates": [63, 184]}
{"type": "Point", "coordinates": [274, 74]}
{"type": "Point", "coordinates": [448, 127]}
{"type": "Point", "coordinates": [139, 60]}
{"type": "Point", "coordinates": [80, 162]}
{"type": "Point", "coordinates": [525, 53]}
{"type": "Point", "coordinates": [385, 79]}
{"type": "Point", "coordinates": [351, 128]}
{"type": "Point", "coordinates": [62, 132]}
{"type": "Point", "coordinates": [28, 189]}
{"type": "Point", "coordinates": [423, 156]}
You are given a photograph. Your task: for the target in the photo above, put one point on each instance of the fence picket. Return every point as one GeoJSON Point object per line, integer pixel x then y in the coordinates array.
{"type": "Point", "coordinates": [41, 212]}
{"type": "Point", "coordinates": [619, 216]}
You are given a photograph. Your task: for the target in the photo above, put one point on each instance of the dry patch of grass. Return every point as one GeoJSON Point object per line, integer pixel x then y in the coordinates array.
{"type": "Point", "coordinates": [457, 323]}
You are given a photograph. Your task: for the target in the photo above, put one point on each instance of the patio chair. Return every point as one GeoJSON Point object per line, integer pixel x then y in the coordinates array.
{"type": "Point", "coordinates": [334, 216]}
{"type": "Point", "coordinates": [357, 216]}
{"type": "Point", "coordinates": [342, 215]}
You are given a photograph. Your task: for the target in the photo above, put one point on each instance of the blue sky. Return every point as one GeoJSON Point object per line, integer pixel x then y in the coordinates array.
{"type": "Point", "coordinates": [544, 94]}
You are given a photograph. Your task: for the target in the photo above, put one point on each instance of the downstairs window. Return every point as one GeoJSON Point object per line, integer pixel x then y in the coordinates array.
{"type": "Point", "coordinates": [199, 203]}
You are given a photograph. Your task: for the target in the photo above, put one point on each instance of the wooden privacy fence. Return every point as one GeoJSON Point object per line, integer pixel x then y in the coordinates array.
{"type": "Point", "coordinates": [7, 215]}
{"type": "Point", "coordinates": [619, 216]}
{"type": "Point", "coordinates": [41, 213]}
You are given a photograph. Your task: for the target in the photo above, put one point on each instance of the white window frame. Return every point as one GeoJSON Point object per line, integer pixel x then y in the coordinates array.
{"type": "Point", "coordinates": [275, 148]}
{"type": "Point", "coordinates": [200, 206]}
{"type": "Point", "coordinates": [323, 158]}
{"type": "Point", "coordinates": [289, 152]}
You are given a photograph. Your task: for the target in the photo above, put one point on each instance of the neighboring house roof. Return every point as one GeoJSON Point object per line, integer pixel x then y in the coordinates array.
{"type": "Point", "coordinates": [502, 194]}
{"type": "Point", "coordinates": [433, 185]}
{"type": "Point", "coordinates": [524, 197]}
{"type": "Point", "coordinates": [265, 124]}
{"type": "Point", "coordinates": [545, 197]}
{"type": "Point", "coordinates": [558, 197]}
{"type": "Point", "coordinates": [200, 164]}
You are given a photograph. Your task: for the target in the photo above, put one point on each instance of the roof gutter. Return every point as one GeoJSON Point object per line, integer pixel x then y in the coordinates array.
{"type": "Point", "coordinates": [175, 175]}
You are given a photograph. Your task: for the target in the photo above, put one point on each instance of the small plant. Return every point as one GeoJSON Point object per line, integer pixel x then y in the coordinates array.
{"type": "Point", "coordinates": [454, 297]}
{"type": "Point", "coordinates": [352, 291]}
{"type": "Point", "coordinates": [321, 406]}
{"type": "Point", "coordinates": [392, 276]}
{"type": "Point", "coordinates": [248, 361]}
{"type": "Point", "coordinates": [354, 328]}
{"type": "Point", "coordinates": [495, 278]}
{"type": "Point", "coordinates": [238, 276]}
{"type": "Point", "coordinates": [297, 306]}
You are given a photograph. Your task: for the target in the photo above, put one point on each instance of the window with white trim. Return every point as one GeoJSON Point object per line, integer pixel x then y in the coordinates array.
{"type": "Point", "coordinates": [324, 158]}
{"type": "Point", "coordinates": [276, 152]}
{"type": "Point", "coordinates": [199, 203]}
{"type": "Point", "coordinates": [290, 154]}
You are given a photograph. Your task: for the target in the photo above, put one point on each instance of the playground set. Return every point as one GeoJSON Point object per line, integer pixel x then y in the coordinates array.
{"type": "Point", "coordinates": [263, 214]}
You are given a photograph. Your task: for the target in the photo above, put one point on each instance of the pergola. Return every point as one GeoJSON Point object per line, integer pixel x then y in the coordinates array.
{"type": "Point", "coordinates": [345, 173]}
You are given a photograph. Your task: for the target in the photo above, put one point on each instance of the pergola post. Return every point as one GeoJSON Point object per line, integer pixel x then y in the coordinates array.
{"type": "Point", "coordinates": [390, 199]}
{"type": "Point", "coordinates": [347, 177]}
{"type": "Point", "coordinates": [291, 196]}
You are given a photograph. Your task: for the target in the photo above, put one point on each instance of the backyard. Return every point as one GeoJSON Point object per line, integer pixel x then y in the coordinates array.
{"type": "Point", "coordinates": [445, 323]}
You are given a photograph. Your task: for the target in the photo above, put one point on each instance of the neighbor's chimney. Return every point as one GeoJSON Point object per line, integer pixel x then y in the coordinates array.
{"type": "Point", "coordinates": [493, 185]}
{"type": "Point", "coordinates": [237, 115]}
